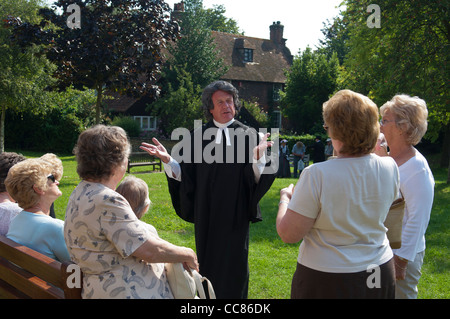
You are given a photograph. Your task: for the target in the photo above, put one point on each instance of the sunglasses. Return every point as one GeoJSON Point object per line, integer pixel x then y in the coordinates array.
{"type": "Point", "coordinates": [52, 178]}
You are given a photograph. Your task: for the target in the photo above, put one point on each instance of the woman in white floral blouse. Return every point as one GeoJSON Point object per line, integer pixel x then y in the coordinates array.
{"type": "Point", "coordinates": [119, 257]}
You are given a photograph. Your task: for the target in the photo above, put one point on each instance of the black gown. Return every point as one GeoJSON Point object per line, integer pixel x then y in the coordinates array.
{"type": "Point", "coordinates": [221, 199]}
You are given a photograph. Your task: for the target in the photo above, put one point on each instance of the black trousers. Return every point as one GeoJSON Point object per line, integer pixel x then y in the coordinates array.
{"type": "Point", "coordinates": [308, 283]}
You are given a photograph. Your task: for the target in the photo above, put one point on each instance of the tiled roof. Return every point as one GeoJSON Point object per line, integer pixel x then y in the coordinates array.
{"type": "Point", "coordinates": [270, 60]}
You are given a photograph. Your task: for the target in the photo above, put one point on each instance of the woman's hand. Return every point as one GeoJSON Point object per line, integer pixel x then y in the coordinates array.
{"type": "Point", "coordinates": [191, 262]}
{"type": "Point", "coordinates": [157, 250]}
{"type": "Point", "coordinates": [286, 193]}
{"type": "Point", "coordinates": [157, 150]}
{"type": "Point", "coordinates": [400, 267]}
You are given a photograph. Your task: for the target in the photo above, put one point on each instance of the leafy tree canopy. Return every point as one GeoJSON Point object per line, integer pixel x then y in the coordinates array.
{"type": "Point", "coordinates": [310, 82]}
{"type": "Point", "coordinates": [117, 47]}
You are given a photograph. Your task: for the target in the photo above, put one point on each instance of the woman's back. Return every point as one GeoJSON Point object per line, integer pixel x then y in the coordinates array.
{"type": "Point", "coordinates": [350, 199]}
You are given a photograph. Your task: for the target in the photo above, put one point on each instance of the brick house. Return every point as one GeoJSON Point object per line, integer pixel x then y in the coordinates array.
{"type": "Point", "coordinates": [256, 68]}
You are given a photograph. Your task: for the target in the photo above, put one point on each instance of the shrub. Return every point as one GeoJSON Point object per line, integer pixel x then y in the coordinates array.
{"type": "Point", "coordinates": [130, 126]}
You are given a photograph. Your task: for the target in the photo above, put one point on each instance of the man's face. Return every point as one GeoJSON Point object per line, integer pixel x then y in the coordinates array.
{"type": "Point", "coordinates": [223, 110]}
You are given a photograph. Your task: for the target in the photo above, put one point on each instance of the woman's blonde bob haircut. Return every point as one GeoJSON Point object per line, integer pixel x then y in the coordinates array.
{"type": "Point", "coordinates": [33, 172]}
{"type": "Point", "coordinates": [99, 150]}
{"type": "Point", "coordinates": [352, 118]}
{"type": "Point", "coordinates": [410, 114]}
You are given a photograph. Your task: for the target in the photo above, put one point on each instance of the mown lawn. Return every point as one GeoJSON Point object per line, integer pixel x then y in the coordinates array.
{"type": "Point", "coordinates": [272, 262]}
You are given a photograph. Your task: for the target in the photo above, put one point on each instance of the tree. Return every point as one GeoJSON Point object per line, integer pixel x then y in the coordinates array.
{"type": "Point", "coordinates": [335, 38]}
{"type": "Point", "coordinates": [192, 64]}
{"type": "Point", "coordinates": [24, 72]}
{"type": "Point", "coordinates": [117, 47]}
{"type": "Point", "coordinates": [408, 54]}
{"type": "Point", "coordinates": [217, 21]}
{"type": "Point", "coordinates": [180, 106]}
{"type": "Point", "coordinates": [310, 82]}
{"type": "Point", "coordinates": [195, 51]}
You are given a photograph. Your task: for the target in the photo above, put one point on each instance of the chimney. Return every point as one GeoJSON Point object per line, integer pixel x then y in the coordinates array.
{"type": "Point", "coordinates": [276, 33]}
{"type": "Point", "coordinates": [178, 10]}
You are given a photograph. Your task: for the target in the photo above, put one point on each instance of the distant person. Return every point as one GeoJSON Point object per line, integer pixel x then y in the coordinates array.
{"type": "Point", "coordinates": [8, 206]}
{"type": "Point", "coordinates": [318, 150]}
{"type": "Point", "coordinates": [328, 149]}
{"type": "Point", "coordinates": [33, 183]}
{"type": "Point", "coordinates": [298, 150]}
{"type": "Point", "coordinates": [338, 209]}
{"type": "Point", "coordinates": [403, 124]}
{"type": "Point", "coordinates": [284, 169]}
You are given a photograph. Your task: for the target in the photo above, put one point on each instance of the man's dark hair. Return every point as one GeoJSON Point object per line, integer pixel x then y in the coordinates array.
{"type": "Point", "coordinates": [8, 160]}
{"type": "Point", "coordinates": [213, 88]}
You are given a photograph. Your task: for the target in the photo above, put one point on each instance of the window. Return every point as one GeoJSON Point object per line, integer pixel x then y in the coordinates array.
{"type": "Point", "coordinates": [248, 55]}
{"type": "Point", "coordinates": [277, 118]}
{"type": "Point", "coordinates": [277, 87]}
{"type": "Point", "coordinates": [147, 123]}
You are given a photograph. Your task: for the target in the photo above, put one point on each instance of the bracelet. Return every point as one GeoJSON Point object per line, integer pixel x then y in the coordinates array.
{"type": "Point", "coordinates": [283, 201]}
{"type": "Point", "coordinates": [398, 266]}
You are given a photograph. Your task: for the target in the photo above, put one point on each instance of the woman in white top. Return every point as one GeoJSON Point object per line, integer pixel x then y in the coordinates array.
{"type": "Point", "coordinates": [404, 123]}
{"type": "Point", "coordinates": [338, 208]}
{"type": "Point", "coordinates": [8, 206]}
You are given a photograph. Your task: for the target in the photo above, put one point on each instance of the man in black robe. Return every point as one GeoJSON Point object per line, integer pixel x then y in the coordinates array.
{"type": "Point", "coordinates": [319, 151]}
{"type": "Point", "coordinates": [220, 191]}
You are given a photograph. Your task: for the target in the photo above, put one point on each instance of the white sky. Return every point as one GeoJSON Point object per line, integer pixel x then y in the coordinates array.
{"type": "Point", "coordinates": [302, 19]}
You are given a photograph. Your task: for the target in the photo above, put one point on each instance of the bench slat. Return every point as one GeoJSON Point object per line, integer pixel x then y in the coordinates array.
{"type": "Point", "coordinates": [143, 159]}
{"type": "Point", "coordinates": [9, 292]}
{"type": "Point", "coordinates": [26, 273]}
{"type": "Point", "coordinates": [27, 283]}
{"type": "Point", "coordinates": [31, 260]}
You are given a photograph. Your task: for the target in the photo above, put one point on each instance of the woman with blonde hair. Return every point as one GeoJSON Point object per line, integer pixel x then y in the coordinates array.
{"type": "Point", "coordinates": [404, 122]}
{"type": "Point", "coordinates": [33, 183]}
{"type": "Point", "coordinates": [119, 257]}
{"type": "Point", "coordinates": [338, 208]}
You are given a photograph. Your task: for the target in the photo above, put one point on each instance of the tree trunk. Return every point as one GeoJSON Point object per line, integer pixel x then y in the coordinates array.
{"type": "Point", "coordinates": [98, 104]}
{"type": "Point", "coordinates": [448, 176]}
{"type": "Point", "coordinates": [2, 129]}
{"type": "Point", "coordinates": [445, 156]}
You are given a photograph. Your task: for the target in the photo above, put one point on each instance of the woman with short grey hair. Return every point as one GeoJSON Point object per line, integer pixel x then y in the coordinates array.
{"type": "Point", "coordinates": [404, 123]}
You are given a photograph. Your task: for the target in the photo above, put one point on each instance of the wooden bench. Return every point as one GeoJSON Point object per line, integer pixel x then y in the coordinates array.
{"type": "Point", "coordinates": [143, 159]}
{"type": "Point", "coordinates": [28, 274]}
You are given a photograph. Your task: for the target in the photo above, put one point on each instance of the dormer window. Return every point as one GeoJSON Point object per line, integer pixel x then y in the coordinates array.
{"type": "Point", "coordinates": [248, 55]}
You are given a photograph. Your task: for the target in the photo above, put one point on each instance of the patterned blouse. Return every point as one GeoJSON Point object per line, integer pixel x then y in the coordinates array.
{"type": "Point", "coordinates": [101, 232]}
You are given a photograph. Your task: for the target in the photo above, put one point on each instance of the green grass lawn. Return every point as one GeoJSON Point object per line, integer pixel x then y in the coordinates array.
{"type": "Point", "coordinates": [272, 262]}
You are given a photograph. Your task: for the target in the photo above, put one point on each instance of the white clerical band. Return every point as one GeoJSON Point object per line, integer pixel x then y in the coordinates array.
{"type": "Point", "coordinates": [223, 127]}
{"type": "Point", "coordinates": [219, 136]}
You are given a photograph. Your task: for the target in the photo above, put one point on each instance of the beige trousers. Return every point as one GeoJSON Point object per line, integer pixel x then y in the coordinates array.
{"type": "Point", "coordinates": [407, 289]}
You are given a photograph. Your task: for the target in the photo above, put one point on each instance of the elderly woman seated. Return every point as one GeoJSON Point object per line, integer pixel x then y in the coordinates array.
{"type": "Point", "coordinates": [119, 257]}
{"type": "Point", "coordinates": [33, 183]}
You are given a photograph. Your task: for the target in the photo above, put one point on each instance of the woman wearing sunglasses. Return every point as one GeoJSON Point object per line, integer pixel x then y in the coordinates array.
{"type": "Point", "coordinates": [33, 183]}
